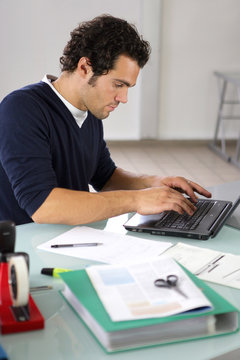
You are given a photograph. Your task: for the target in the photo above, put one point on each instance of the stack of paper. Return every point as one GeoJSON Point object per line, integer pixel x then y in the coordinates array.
{"type": "Point", "coordinates": [210, 265]}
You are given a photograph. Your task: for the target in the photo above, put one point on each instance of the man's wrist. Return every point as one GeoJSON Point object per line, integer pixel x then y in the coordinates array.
{"type": "Point", "coordinates": [152, 181]}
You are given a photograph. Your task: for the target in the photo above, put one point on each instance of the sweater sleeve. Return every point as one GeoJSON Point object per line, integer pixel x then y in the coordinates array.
{"type": "Point", "coordinates": [25, 150]}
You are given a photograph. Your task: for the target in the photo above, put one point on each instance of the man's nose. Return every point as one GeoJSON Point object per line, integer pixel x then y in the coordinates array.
{"type": "Point", "coordinates": [122, 96]}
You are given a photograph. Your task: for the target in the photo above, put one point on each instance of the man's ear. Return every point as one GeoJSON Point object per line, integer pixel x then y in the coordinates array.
{"type": "Point", "coordinates": [84, 67]}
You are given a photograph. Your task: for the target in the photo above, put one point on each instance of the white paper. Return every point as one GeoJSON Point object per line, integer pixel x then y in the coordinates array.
{"type": "Point", "coordinates": [115, 248]}
{"type": "Point", "coordinates": [128, 291]}
{"type": "Point", "coordinates": [210, 265]}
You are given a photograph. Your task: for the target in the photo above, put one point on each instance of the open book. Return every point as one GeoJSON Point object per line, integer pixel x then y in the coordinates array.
{"type": "Point", "coordinates": [128, 292]}
{"type": "Point", "coordinates": [129, 323]}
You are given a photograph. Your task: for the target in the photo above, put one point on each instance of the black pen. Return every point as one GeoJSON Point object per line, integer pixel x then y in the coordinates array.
{"type": "Point", "coordinates": [213, 262]}
{"type": "Point", "coordinates": [75, 245]}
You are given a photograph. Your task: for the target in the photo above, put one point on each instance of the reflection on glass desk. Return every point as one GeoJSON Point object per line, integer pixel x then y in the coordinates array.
{"type": "Point", "coordinates": [66, 338]}
{"type": "Point", "coordinates": [231, 355]}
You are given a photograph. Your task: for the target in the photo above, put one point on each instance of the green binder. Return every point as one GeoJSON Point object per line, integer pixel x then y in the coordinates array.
{"type": "Point", "coordinates": [125, 335]}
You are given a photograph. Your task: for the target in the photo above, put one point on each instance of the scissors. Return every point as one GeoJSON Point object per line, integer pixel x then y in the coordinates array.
{"type": "Point", "coordinates": [171, 283]}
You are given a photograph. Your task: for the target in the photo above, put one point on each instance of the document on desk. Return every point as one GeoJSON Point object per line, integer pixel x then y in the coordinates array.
{"type": "Point", "coordinates": [114, 248]}
{"type": "Point", "coordinates": [209, 265]}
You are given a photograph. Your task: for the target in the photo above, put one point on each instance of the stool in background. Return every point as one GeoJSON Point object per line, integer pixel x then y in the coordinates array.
{"type": "Point", "coordinates": [225, 80]}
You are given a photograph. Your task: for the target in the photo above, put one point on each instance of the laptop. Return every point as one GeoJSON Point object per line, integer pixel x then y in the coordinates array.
{"type": "Point", "coordinates": [206, 222]}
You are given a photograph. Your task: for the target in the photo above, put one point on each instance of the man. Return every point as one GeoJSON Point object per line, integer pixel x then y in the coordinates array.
{"type": "Point", "coordinates": [52, 144]}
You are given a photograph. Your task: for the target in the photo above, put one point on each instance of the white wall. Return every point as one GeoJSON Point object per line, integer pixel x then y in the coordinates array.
{"type": "Point", "coordinates": [198, 37]}
{"type": "Point", "coordinates": [33, 34]}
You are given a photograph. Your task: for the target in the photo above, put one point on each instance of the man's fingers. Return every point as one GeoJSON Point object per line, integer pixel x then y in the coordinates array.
{"type": "Point", "coordinates": [184, 204]}
{"type": "Point", "coordinates": [189, 187]}
{"type": "Point", "coordinates": [176, 201]}
{"type": "Point", "coordinates": [199, 189]}
{"type": "Point", "coordinates": [169, 195]}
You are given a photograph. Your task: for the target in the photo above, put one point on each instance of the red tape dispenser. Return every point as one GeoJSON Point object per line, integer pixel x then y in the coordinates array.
{"type": "Point", "coordinates": [18, 311]}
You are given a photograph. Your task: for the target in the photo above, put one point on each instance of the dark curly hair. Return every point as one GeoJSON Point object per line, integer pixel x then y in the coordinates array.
{"type": "Point", "coordinates": [102, 40]}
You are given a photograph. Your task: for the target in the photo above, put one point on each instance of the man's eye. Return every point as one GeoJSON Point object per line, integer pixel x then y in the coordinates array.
{"type": "Point", "coordinates": [118, 85]}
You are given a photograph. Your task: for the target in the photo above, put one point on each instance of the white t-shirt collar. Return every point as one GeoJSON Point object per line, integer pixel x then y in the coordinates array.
{"type": "Point", "coordinates": [79, 115]}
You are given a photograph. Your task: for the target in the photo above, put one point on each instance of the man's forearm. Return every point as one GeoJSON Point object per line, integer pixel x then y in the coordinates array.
{"type": "Point", "coordinates": [71, 207]}
{"type": "Point", "coordinates": [118, 196]}
{"type": "Point", "coordinates": [143, 194]}
{"type": "Point", "coordinates": [125, 180]}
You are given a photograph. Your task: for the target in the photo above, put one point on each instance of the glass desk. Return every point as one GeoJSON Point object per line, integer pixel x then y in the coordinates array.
{"type": "Point", "coordinates": [66, 338]}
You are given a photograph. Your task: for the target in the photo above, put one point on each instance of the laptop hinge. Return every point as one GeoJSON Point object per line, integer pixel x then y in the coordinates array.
{"type": "Point", "coordinates": [218, 223]}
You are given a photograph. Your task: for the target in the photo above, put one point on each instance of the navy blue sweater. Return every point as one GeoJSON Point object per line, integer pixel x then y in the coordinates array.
{"type": "Point", "coordinates": [42, 147]}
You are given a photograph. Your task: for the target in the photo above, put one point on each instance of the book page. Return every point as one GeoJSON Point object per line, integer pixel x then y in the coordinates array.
{"type": "Point", "coordinates": [129, 293]}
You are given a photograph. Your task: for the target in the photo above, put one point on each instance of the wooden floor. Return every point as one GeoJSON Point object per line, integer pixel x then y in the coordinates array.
{"type": "Point", "coordinates": [193, 160]}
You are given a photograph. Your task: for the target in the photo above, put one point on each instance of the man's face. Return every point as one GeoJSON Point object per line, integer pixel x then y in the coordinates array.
{"type": "Point", "coordinates": [104, 95]}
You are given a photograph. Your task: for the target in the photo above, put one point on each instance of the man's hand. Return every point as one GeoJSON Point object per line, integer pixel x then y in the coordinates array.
{"type": "Point", "coordinates": [167, 194]}
{"type": "Point", "coordinates": [158, 199]}
{"type": "Point", "coordinates": [185, 186]}
{"type": "Point", "coordinates": [156, 194]}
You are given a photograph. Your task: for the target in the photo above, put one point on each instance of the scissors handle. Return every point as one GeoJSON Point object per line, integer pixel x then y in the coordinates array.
{"type": "Point", "coordinates": [161, 283]}
{"type": "Point", "coordinates": [172, 280]}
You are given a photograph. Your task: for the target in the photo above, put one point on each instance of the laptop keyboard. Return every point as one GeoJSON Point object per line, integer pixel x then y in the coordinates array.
{"type": "Point", "coordinates": [173, 220]}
